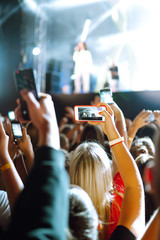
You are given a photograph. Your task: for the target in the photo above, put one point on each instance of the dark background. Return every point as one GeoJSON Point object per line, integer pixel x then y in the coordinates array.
{"type": "Point", "coordinates": [131, 103]}
{"type": "Point", "coordinates": [9, 52]}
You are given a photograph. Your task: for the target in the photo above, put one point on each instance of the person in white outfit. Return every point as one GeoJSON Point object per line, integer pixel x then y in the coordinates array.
{"type": "Point", "coordinates": [83, 67]}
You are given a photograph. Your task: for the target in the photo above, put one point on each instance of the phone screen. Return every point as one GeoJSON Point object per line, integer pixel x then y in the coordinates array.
{"type": "Point", "coordinates": [151, 118]}
{"type": "Point", "coordinates": [106, 95]}
{"type": "Point", "coordinates": [25, 80]}
{"type": "Point", "coordinates": [88, 113]}
{"type": "Point", "coordinates": [16, 129]}
{"type": "Point", "coordinates": [11, 115]}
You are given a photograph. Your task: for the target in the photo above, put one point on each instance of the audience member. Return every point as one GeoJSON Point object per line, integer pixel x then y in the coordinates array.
{"type": "Point", "coordinates": [26, 153]}
{"type": "Point", "coordinates": [41, 209]}
{"type": "Point", "coordinates": [90, 169]}
{"type": "Point", "coordinates": [70, 128]}
{"type": "Point", "coordinates": [92, 133]}
{"type": "Point", "coordinates": [47, 183]}
{"type": "Point", "coordinates": [128, 123]}
{"type": "Point", "coordinates": [138, 122]}
{"type": "Point", "coordinates": [83, 218]}
{"type": "Point", "coordinates": [142, 161]}
{"type": "Point", "coordinates": [148, 131]}
{"type": "Point", "coordinates": [142, 145]}
{"type": "Point", "coordinates": [70, 131]}
{"type": "Point", "coordinates": [64, 142]}
{"type": "Point", "coordinates": [153, 179]}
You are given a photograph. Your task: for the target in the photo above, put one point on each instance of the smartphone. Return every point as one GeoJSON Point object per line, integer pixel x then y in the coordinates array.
{"type": "Point", "coordinates": [11, 115]}
{"type": "Point", "coordinates": [85, 113]}
{"type": "Point", "coordinates": [16, 129]}
{"type": "Point", "coordinates": [151, 118]}
{"type": "Point", "coordinates": [25, 80]}
{"type": "Point", "coordinates": [106, 95]}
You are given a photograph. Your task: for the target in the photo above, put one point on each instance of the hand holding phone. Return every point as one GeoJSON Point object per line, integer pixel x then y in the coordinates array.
{"type": "Point", "coordinates": [151, 118]}
{"type": "Point", "coordinates": [25, 80]}
{"type": "Point", "coordinates": [85, 113]}
{"type": "Point", "coordinates": [16, 130]}
{"type": "Point", "coordinates": [106, 96]}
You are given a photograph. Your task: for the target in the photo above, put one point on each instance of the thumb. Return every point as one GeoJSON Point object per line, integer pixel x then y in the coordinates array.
{"type": "Point", "coordinates": [24, 132]}
{"type": "Point", "coordinates": [103, 113]}
{"type": "Point", "coordinates": [18, 141]}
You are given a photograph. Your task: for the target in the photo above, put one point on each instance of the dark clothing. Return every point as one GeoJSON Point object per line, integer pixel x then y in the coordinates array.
{"type": "Point", "coordinates": [114, 72]}
{"type": "Point", "coordinates": [41, 211]}
{"type": "Point", "coordinates": [122, 233]}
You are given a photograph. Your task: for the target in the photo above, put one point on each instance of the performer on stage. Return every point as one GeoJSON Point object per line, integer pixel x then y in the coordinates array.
{"type": "Point", "coordinates": [82, 70]}
{"type": "Point", "coordinates": [115, 77]}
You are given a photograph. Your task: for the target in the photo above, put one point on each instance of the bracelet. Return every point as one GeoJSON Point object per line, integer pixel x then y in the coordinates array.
{"type": "Point", "coordinates": [130, 139]}
{"type": "Point", "coordinates": [5, 167]}
{"type": "Point", "coordinates": [116, 141]}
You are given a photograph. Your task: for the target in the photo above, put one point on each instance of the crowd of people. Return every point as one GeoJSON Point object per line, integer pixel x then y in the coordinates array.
{"type": "Point", "coordinates": [79, 180]}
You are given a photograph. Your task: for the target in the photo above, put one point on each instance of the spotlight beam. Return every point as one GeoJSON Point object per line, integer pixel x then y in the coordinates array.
{"type": "Point", "coordinates": [12, 12]}
{"type": "Point", "coordinates": [105, 16]}
{"type": "Point", "coordinates": [85, 30]}
{"type": "Point", "coordinates": [63, 4]}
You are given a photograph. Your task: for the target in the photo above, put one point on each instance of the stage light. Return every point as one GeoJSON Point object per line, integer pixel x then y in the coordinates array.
{"type": "Point", "coordinates": [85, 30]}
{"type": "Point", "coordinates": [61, 4]}
{"type": "Point", "coordinates": [31, 4]}
{"type": "Point", "coordinates": [36, 51]}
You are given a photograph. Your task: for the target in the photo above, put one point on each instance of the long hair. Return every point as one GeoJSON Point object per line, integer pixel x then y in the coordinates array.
{"type": "Point", "coordinates": [90, 169]}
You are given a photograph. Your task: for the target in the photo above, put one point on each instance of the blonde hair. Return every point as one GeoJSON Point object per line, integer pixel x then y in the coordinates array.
{"type": "Point", "coordinates": [90, 169]}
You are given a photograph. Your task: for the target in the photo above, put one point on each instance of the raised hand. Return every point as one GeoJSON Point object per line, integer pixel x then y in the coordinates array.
{"type": "Point", "coordinates": [109, 123]}
{"type": "Point", "coordinates": [138, 122]}
{"type": "Point", "coordinates": [42, 114]}
{"type": "Point", "coordinates": [157, 117]}
{"type": "Point", "coordinates": [26, 147]}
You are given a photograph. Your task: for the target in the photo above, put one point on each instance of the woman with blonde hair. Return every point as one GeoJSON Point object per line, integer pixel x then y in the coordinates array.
{"type": "Point", "coordinates": [91, 170]}
{"type": "Point", "coordinates": [97, 174]}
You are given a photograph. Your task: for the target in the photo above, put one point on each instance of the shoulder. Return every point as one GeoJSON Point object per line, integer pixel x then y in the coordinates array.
{"type": "Point", "coordinates": [122, 233]}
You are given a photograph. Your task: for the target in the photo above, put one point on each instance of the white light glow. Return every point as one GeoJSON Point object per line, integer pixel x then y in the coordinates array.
{"type": "Point", "coordinates": [36, 51]}
{"type": "Point", "coordinates": [85, 30]}
{"type": "Point", "coordinates": [32, 4]}
{"type": "Point", "coordinates": [61, 4]}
